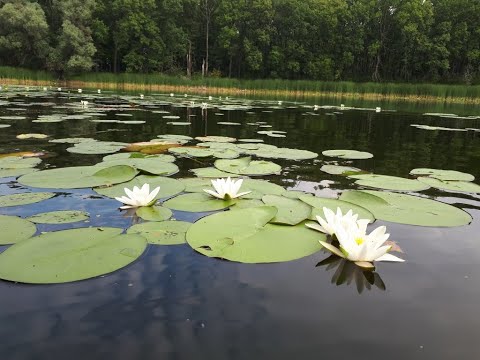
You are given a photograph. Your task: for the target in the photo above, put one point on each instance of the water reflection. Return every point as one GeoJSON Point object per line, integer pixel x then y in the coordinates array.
{"type": "Point", "coordinates": [346, 272]}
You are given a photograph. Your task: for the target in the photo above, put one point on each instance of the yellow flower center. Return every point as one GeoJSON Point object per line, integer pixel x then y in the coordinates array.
{"type": "Point", "coordinates": [359, 241]}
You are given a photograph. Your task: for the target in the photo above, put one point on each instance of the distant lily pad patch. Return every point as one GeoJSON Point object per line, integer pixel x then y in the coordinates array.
{"type": "Point", "coordinates": [246, 236]}
{"type": "Point", "coordinates": [407, 209]}
{"type": "Point", "coordinates": [154, 213]}
{"type": "Point", "coordinates": [59, 217]}
{"type": "Point", "coordinates": [211, 172]}
{"type": "Point", "coordinates": [341, 170]}
{"type": "Point", "coordinates": [162, 233]}
{"type": "Point", "coordinates": [215, 139]}
{"type": "Point", "coordinates": [72, 255]}
{"type": "Point", "coordinates": [15, 229]}
{"type": "Point", "coordinates": [24, 198]}
{"type": "Point", "coordinates": [348, 154]}
{"type": "Point", "coordinates": [197, 202]}
{"type": "Point", "coordinates": [456, 186]}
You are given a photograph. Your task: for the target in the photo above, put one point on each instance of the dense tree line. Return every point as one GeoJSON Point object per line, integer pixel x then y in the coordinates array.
{"type": "Point", "coordinates": [401, 40]}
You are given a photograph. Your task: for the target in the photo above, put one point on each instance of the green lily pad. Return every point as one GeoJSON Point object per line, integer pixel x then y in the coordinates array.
{"type": "Point", "coordinates": [154, 213]}
{"type": "Point", "coordinates": [348, 154]}
{"type": "Point", "coordinates": [162, 233]}
{"type": "Point", "coordinates": [96, 147]}
{"type": "Point", "coordinates": [226, 154]}
{"type": "Point", "coordinates": [24, 198]}
{"type": "Point", "coordinates": [15, 172]}
{"type": "Point", "coordinates": [70, 255]}
{"type": "Point", "coordinates": [456, 186]}
{"type": "Point", "coordinates": [175, 137]}
{"type": "Point", "coordinates": [247, 204]}
{"type": "Point", "coordinates": [319, 203]}
{"type": "Point", "coordinates": [260, 188]}
{"type": "Point", "coordinates": [146, 165]}
{"type": "Point", "coordinates": [295, 194]}
{"type": "Point", "coordinates": [18, 162]}
{"type": "Point", "coordinates": [444, 175]}
{"type": "Point", "coordinates": [245, 166]}
{"type": "Point", "coordinates": [215, 139]}
{"type": "Point", "coordinates": [179, 123]}
{"type": "Point", "coordinates": [407, 209]}
{"type": "Point", "coordinates": [196, 185]}
{"type": "Point", "coordinates": [211, 172]}
{"type": "Point", "coordinates": [191, 151]}
{"type": "Point", "coordinates": [389, 182]}
{"type": "Point", "coordinates": [283, 153]}
{"type": "Point", "coordinates": [15, 229]}
{"type": "Point", "coordinates": [245, 236]}
{"type": "Point", "coordinates": [273, 133]}
{"type": "Point", "coordinates": [78, 177]}
{"type": "Point", "coordinates": [197, 202]}
{"type": "Point", "coordinates": [340, 170]}
{"type": "Point", "coordinates": [3, 126]}
{"type": "Point", "coordinates": [290, 211]}
{"type": "Point", "coordinates": [137, 155]}
{"type": "Point", "coordinates": [59, 217]}
{"type": "Point", "coordinates": [168, 187]}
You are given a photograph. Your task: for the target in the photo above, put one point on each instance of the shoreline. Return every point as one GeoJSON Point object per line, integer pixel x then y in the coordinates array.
{"type": "Point", "coordinates": [235, 91]}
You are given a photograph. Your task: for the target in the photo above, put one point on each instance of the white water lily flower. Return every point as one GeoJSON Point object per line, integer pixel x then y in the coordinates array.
{"type": "Point", "coordinates": [361, 248]}
{"type": "Point", "coordinates": [226, 189]}
{"type": "Point", "coordinates": [334, 221]}
{"type": "Point", "coordinates": [138, 197]}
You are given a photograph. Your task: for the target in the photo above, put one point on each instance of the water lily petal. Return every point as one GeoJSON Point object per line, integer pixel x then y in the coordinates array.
{"type": "Point", "coordinates": [390, 257]}
{"type": "Point", "coordinates": [332, 249]}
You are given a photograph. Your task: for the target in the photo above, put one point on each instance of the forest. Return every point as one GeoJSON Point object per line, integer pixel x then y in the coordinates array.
{"type": "Point", "coordinates": [330, 40]}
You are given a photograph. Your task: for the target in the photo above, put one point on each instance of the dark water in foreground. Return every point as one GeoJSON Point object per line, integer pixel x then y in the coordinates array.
{"type": "Point", "coordinates": [176, 304]}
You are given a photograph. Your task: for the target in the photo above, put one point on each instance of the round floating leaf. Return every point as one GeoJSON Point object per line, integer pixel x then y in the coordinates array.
{"type": "Point", "coordinates": [31, 136]}
{"type": "Point", "coordinates": [211, 172]}
{"type": "Point", "coordinates": [147, 165]}
{"type": "Point", "coordinates": [162, 233]}
{"type": "Point", "coordinates": [247, 204]}
{"type": "Point", "coordinates": [78, 177]}
{"type": "Point", "coordinates": [295, 194]}
{"type": "Point", "coordinates": [18, 162]}
{"type": "Point", "coordinates": [179, 123]}
{"type": "Point", "coordinates": [154, 213]}
{"type": "Point", "coordinates": [24, 198]}
{"type": "Point", "coordinates": [197, 202]}
{"type": "Point", "coordinates": [15, 172]}
{"type": "Point", "coordinates": [283, 153]}
{"type": "Point", "coordinates": [319, 203]}
{"type": "Point", "coordinates": [348, 154]}
{"type": "Point", "coordinates": [290, 211]}
{"type": "Point", "coordinates": [136, 155]}
{"type": "Point", "coordinates": [175, 137]}
{"type": "Point", "coordinates": [407, 209]}
{"type": "Point", "coordinates": [70, 255]}
{"type": "Point", "coordinates": [3, 126]}
{"type": "Point", "coordinates": [260, 188]}
{"type": "Point", "coordinates": [226, 154]}
{"type": "Point", "coordinates": [168, 187]}
{"type": "Point", "coordinates": [228, 123]}
{"type": "Point", "coordinates": [15, 229]}
{"type": "Point", "coordinates": [340, 170]}
{"type": "Point", "coordinates": [59, 217]}
{"type": "Point", "coordinates": [70, 140]}
{"type": "Point", "coordinates": [444, 175]}
{"type": "Point", "coordinates": [96, 147]}
{"type": "Point", "coordinates": [245, 166]}
{"type": "Point", "coordinates": [457, 186]}
{"type": "Point", "coordinates": [389, 182]}
{"type": "Point", "coordinates": [245, 236]}
{"type": "Point", "coordinates": [191, 151]}
{"type": "Point", "coordinates": [151, 147]}
{"type": "Point", "coordinates": [224, 139]}
{"type": "Point", "coordinates": [251, 140]}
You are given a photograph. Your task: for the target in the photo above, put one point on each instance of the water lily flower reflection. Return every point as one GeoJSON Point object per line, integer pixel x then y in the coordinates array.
{"type": "Point", "coordinates": [138, 197]}
{"type": "Point", "coordinates": [226, 189]}
{"type": "Point", "coordinates": [355, 244]}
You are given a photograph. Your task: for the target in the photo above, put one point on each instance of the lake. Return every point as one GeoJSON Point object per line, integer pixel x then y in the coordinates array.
{"type": "Point", "coordinates": [175, 303]}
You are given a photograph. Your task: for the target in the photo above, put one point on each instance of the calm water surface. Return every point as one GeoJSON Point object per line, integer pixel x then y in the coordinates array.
{"type": "Point", "coordinates": [176, 304]}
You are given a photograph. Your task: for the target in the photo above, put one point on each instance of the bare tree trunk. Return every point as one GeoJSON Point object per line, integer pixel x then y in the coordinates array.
{"type": "Point", "coordinates": [207, 38]}
{"type": "Point", "coordinates": [115, 58]}
{"type": "Point", "coordinates": [189, 60]}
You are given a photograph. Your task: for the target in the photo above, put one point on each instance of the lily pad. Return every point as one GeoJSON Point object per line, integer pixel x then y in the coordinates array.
{"type": "Point", "coordinates": [348, 154]}
{"type": "Point", "coordinates": [319, 203]}
{"type": "Point", "coordinates": [224, 139]}
{"type": "Point", "coordinates": [162, 233]}
{"type": "Point", "coordinates": [245, 166]}
{"type": "Point", "coordinates": [191, 151]}
{"type": "Point", "coordinates": [211, 172]}
{"type": "Point", "coordinates": [245, 236]}
{"type": "Point", "coordinates": [70, 255]}
{"type": "Point", "coordinates": [59, 217]}
{"type": "Point", "coordinates": [15, 229]}
{"type": "Point", "coordinates": [24, 198]}
{"type": "Point", "coordinates": [456, 186]}
{"type": "Point", "coordinates": [407, 209]}
{"type": "Point", "coordinates": [290, 211]}
{"type": "Point", "coordinates": [156, 147]}
{"type": "Point", "coordinates": [15, 172]}
{"type": "Point", "coordinates": [135, 155]}
{"type": "Point", "coordinates": [154, 213]}
{"type": "Point", "coordinates": [96, 147]}
{"type": "Point", "coordinates": [146, 165]}
{"type": "Point", "coordinates": [79, 177]}
{"type": "Point", "coordinates": [260, 188]}
{"type": "Point", "coordinates": [247, 204]}
{"type": "Point", "coordinates": [168, 187]}
{"type": "Point", "coordinates": [31, 136]}
{"type": "Point", "coordinates": [340, 170]}
{"type": "Point", "coordinates": [389, 182]}
{"type": "Point", "coordinates": [197, 202]}
{"type": "Point", "coordinates": [444, 175]}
